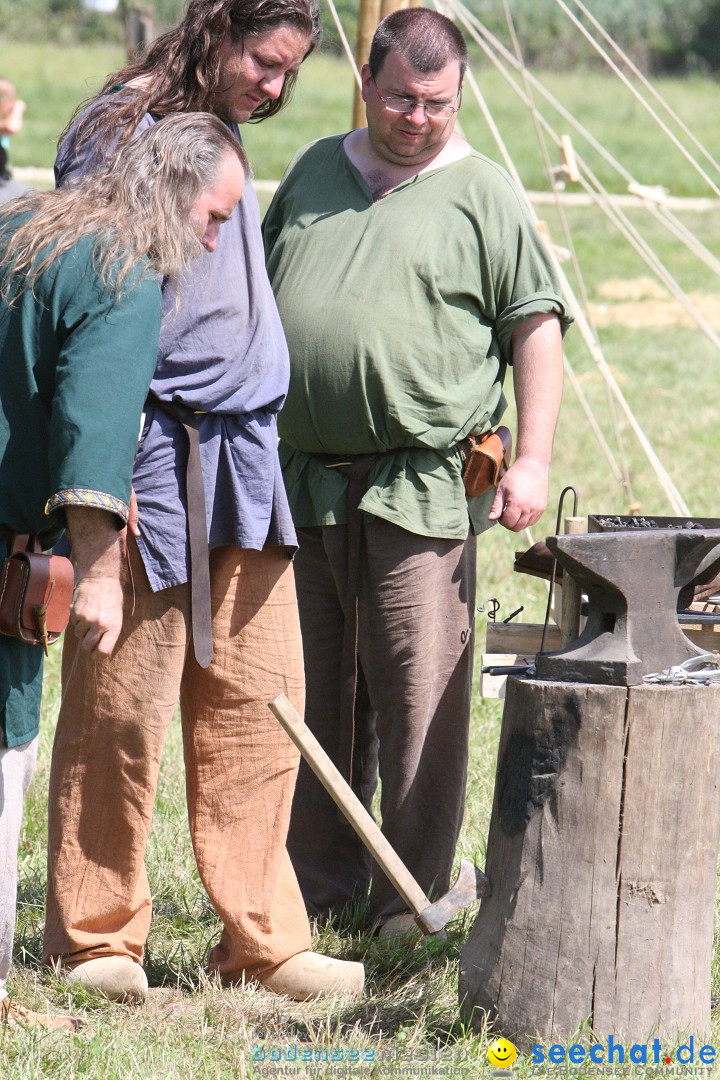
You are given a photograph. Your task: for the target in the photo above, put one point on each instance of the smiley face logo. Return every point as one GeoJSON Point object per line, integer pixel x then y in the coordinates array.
{"type": "Point", "coordinates": [501, 1053]}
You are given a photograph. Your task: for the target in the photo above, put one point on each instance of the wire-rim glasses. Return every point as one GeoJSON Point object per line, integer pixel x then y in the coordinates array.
{"type": "Point", "coordinates": [435, 110]}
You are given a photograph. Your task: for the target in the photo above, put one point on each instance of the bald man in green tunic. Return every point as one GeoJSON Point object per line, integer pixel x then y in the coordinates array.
{"type": "Point", "coordinates": [408, 276]}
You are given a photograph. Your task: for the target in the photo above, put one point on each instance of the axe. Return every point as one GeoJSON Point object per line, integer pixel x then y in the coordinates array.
{"type": "Point", "coordinates": [471, 883]}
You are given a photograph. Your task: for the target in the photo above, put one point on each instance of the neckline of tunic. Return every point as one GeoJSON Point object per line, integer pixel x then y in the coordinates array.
{"type": "Point", "coordinates": [411, 180]}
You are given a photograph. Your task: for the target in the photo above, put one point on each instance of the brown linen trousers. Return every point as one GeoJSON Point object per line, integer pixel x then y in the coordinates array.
{"type": "Point", "coordinates": [240, 768]}
{"type": "Point", "coordinates": [415, 638]}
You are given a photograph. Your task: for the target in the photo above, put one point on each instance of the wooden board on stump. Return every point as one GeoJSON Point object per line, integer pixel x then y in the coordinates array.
{"type": "Point", "coordinates": [602, 856]}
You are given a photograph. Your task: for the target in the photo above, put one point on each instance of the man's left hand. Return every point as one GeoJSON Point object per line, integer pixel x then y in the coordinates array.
{"type": "Point", "coordinates": [522, 494]}
{"type": "Point", "coordinates": [97, 606]}
{"type": "Point", "coordinates": [97, 612]}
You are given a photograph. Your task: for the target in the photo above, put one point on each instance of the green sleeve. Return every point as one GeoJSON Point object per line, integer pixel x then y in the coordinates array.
{"type": "Point", "coordinates": [107, 356]}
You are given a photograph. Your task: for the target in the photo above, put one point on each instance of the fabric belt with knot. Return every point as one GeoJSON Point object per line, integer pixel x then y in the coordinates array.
{"type": "Point", "coordinates": [201, 610]}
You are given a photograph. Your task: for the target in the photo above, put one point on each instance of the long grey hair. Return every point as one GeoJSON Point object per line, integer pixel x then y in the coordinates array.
{"type": "Point", "coordinates": [138, 203]}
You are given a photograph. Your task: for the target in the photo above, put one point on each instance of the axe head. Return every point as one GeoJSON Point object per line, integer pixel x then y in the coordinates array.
{"type": "Point", "coordinates": [471, 884]}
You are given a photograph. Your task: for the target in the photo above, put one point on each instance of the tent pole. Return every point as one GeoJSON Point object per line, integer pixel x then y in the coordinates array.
{"type": "Point", "coordinates": [369, 15]}
{"type": "Point", "coordinates": [368, 18]}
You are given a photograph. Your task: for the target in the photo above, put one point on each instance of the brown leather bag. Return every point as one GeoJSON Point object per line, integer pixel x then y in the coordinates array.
{"type": "Point", "coordinates": [486, 458]}
{"type": "Point", "coordinates": [35, 592]}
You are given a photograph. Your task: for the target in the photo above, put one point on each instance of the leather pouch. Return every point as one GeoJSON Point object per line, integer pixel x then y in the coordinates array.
{"type": "Point", "coordinates": [35, 593]}
{"type": "Point", "coordinates": [486, 458]}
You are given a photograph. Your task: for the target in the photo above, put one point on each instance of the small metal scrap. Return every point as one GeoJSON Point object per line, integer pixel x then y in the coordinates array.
{"type": "Point", "coordinates": [516, 612]}
{"type": "Point", "coordinates": [698, 670]}
{"type": "Point", "coordinates": [526, 668]}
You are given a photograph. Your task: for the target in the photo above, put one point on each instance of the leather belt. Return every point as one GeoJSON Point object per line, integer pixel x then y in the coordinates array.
{"type": "Point", "coordinates": [201, 610]}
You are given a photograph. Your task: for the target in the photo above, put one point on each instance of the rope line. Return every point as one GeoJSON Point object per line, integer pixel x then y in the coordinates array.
{"type": "Point", "coordinates": [664, 215]}
{"type": "Point", "coordinates": [600, 196]}
{"type": "Point", "coordinates": [567, 234]}
{"type": "Point", "coordinates": [648, 85]}
{"type": "Point", "coordinates": [668, 485]}
{"type": "Point", "coordinates": [345, 43]}
{"type": "Point", "coordinates": [636, 93]}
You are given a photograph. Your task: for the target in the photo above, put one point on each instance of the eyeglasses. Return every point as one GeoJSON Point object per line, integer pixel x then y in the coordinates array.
{"type": "Point", "coordinates": [435, 110]}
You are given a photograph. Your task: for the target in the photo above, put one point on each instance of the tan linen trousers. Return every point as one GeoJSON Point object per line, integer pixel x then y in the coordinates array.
{"type": "Point", "coordinates": [240, 768]}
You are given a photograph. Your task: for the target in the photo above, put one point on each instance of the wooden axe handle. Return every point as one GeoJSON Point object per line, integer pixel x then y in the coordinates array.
{"type": "Point", "coordinates": [339, 790]}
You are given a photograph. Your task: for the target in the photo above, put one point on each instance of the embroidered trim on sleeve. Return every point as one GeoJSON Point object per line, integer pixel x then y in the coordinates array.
{"type": "Point", "coordinates": [97, 500]}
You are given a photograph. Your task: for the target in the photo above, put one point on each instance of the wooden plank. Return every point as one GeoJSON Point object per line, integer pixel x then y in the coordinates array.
{"type": "Point", "coordinates": [571, 621]}
{"type": "Point", "coordinates": [523, 638]}
{"type": "Point", "coordinates": [705, 636]}
{"type": "Point", "coordinates": [493, 686]}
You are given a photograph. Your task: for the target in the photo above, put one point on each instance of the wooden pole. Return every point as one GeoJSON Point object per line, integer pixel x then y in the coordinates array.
{"type": "Point", "coordinates": [601, 854]}
{"type": "Point", "coordinates": [140, 29]}
{"type": "Point", "coordinates": [368, 18]}
{"type": "Point", "coordinates": [370, 14]}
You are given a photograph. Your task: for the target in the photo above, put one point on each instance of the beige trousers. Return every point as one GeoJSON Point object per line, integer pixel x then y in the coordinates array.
{"type": "Point", "coordinates": [240, 768]}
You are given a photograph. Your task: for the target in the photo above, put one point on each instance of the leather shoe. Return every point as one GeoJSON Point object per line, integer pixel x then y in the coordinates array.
{"type": "Point", "coordinates": [310, 975]}
{"type": "Point", "coordinates": [117, 978]}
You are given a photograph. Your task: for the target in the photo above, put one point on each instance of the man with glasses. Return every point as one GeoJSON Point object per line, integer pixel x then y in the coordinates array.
{"type": "Point", "coordinates": [408, 275]}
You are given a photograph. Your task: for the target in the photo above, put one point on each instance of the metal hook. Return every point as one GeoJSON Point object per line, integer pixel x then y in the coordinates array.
{"type": "Point", "coordinates": [551, 590]}
{"type": "Point", "coordinates": [493, 610]}
{"type": "Point", "coordinates": [561, 501]}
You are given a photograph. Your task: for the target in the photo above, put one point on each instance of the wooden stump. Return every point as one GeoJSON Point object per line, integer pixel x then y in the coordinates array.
{"type": "Point", "coordinates": [602, 856]}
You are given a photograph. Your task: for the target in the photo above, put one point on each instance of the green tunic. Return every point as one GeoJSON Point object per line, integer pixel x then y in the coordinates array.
{"type": "Point", "coordinates": [76, 361]}
{"type": "Point", "coordinates": [398, 315]}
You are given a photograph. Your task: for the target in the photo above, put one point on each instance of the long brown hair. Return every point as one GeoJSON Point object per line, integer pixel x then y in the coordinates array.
{"type": "Point", "coordinates": [139, 203]}
{"type": "Point", "coordinates": [179, 72]}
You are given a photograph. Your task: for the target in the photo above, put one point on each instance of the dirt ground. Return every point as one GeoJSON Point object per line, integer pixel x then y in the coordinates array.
{"type": "Point", "coordinates": [643, 302]}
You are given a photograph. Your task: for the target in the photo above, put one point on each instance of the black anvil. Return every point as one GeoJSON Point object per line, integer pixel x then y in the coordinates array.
{"type": "Point", "coordinates": [632, 580]}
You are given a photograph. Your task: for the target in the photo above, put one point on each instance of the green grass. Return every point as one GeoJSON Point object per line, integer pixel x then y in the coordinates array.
{"type": "Point", "coordinates": [193, 1028]}
{"type": "Point", "coordinates": [55, 80]}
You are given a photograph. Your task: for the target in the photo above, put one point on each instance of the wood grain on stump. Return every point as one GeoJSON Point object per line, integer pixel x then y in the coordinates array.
{"type": "Point", "coordinates": [602, 856]}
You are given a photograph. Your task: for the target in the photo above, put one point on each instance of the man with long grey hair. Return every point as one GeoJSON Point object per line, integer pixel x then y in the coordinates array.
{"type": "Point", "coordinates": [80, 308]}
{"type": "Point", "coordinates": [213, 616]}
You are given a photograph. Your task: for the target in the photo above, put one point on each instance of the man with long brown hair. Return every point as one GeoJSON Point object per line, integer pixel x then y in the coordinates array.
{"type": "Point", "coordinates": [212, 617]}
{"type": "Point", "coordinates": [80, 309]}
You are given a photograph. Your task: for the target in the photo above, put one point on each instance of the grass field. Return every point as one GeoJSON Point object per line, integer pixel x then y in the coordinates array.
{"type": "Point", "coordinates": [669, 372]}
{"type": "Point", "coordinates": [54, 81]}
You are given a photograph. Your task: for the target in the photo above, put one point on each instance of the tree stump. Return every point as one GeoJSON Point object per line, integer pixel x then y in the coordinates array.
{"type": "Point", "coordinates": [602, 854]}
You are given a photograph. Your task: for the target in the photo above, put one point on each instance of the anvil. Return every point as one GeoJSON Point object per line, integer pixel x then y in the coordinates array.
{"type": "Point", "coordinates": [632, 581]}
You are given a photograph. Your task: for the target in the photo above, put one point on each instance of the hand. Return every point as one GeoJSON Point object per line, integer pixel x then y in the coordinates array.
{"type": "Point", "coordinates": [522, 494]}
{"type": "Point", "coordinates": [97, 607]}
{"type": "Point", "coordinates": [96, 613]}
